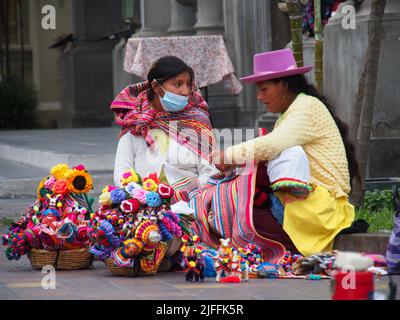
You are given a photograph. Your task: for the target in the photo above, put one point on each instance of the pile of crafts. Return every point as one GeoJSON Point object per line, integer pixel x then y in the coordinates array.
{"type": "Point", "coordinates": [226, 263]}
{"type": "Point", "coordinates": [133, 224]}
{"type": "Point", "coordinates": [57, 220]}
{"type": "Point", "coordinates": [230, 264]}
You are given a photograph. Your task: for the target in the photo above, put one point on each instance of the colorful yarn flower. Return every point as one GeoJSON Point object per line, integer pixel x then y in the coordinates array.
{"type": "Point", "coordinates": [140, 194]}
{"type": "Point", "coordinates": [108, 188]}
{"type": "Point", "coordinates": [150, 185]}
{"type": "Point", "coordinates": [60, 187]}
{"type": "Point", "coordinates": [60, 171]}
{"type": "Point", "coordinates": [165, 191]}
{"type": "Point", "coordinates": [41, 190]}
{"type": "Point", "coordinates": [79, 167]}
{"type": "Point", "coordinates": [130, 206]}
{"type": "Point", "coordinates": [130, 176]}
{"type": "Point", "coordinates": [79, 181]}
{"type": "Point", "coordinates": [105, 198]}
{"type": "Point", "coordinates": [49, 183]}
{"type": "Point", "coordinates": [130, 187]}
{"type": "Point", "coordinates": [117, 196]}
{"type": "Point", "coordinates": [152, 176]}
{"type": "Point", "coordinates": [153, 199]}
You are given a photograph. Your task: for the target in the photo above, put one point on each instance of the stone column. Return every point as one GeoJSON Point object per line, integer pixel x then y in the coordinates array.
{"type": "Point", "coordinates": [182, 17]}
{"type": "Point", "coordinates": [46, 76]}
{"type": "Point", "coordinates": [86, 73]}
{"type": "Point", "coordinates": [248, 30]}
{"type": "Point", "coordinates": [155, 17]}
{"type": "Point", "coordinates": [209, 17]}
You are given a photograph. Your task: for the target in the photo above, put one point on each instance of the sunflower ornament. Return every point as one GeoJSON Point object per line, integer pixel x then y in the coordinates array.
{"type": "Point", "coordinates": [79, 180]}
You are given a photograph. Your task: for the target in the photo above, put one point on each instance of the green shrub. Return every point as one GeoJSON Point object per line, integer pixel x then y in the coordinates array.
{"type": "Point", "coordinates": [18, 105]}
{"type": "Point", "coordinates": [378, 210]}
{"type": "Point", "coordinates": [378, 200]}
{"type": "Point", "coordinates": [378, 221]}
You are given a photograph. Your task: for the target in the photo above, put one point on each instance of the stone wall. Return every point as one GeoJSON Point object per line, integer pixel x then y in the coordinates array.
{"type": "Point", "coordinates": [344, 55]}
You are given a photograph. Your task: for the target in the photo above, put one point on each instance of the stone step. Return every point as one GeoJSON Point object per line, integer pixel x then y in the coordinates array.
{"type": "Point", "coordinates": [363, 242]}
{"type": "Point", "coordinates": [14, 208]}
{"type": "Point", "coordinates": [93, 147]}
{"type": "Point", "coordinates": [19, 181]}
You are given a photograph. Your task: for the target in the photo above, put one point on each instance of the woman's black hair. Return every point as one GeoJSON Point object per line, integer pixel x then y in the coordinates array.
{"type": "Point", "coordinates": [166, 68]}
{"type": "Point", "coordinates": [298, 84]}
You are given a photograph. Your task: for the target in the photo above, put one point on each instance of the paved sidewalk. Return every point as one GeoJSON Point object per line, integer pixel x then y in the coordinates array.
{"type": "Point", "coordinates": [19, 281]}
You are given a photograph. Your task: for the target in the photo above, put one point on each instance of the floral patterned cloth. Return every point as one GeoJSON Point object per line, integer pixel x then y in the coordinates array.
{"type": "Point", "coordinates": [207, 55]}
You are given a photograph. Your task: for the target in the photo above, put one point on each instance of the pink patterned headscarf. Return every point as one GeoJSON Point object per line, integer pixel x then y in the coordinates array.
{"type": "Point", "coordinates": [134, 114]}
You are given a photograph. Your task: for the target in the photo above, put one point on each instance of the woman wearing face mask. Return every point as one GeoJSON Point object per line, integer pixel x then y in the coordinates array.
{"type": "Point", "coordinates": [165, 127]}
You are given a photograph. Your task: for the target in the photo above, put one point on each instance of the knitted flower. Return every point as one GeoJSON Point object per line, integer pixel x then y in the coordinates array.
{"type": "Point", "coordinates": [117, 196]}
{"type": "Point", "coordinates": [130, 206]}
{"type": "Point", "coordinates": [152, 176]}
{"type": "Point", "coordinates": [105, 198]}
{"type": "Point", "coordinates": [153, 199]}
{"type": "Point", "coordinates": [79, 167]}
{"type": "Point", "coordinates": [130, 187]}
{"type": "Point", "coordinates": [108, 188]}
{"type": "Point", "coordinates": [150, 185]}
{"type": "Point", "coordinates": [60, 171]}
{"type": "Point", "coordinates": [130, 176]}
{"type": "Point", "coordinates": [140, 194]}
{"type": "Point", "coordinates": [165, 191]}
{"type": "Point", "coordinates": [60, 187]}
{"type": "Point", "coordinates": [41, 190]}
{"type": "Point", "coordinates": [49, 183]}
{"type": "Point", "coordinates": [79, 181]}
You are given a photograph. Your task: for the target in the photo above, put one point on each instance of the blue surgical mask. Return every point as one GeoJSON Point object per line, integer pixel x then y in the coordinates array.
{"type": "Point", "coordinates": [173, 102]}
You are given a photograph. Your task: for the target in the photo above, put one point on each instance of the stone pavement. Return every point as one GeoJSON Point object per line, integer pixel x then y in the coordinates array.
{"type": "Point", "coordinates": [19, 281]}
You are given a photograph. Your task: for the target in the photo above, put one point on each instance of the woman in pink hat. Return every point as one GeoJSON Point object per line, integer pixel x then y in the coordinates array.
{"type": "Point", "coordinates": [306, 120]}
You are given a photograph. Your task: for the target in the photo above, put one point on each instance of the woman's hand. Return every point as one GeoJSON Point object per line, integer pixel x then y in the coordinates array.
{"type": "Point", "coordinates": [218, 159]}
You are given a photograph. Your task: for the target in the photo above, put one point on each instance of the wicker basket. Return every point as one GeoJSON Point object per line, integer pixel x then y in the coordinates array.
{"type": "Point", "coordinates": [136, 270]}
{"type": "Point", "coordinates": [61, 259]}
{"type": "Point", "coordinates": [120, 271]}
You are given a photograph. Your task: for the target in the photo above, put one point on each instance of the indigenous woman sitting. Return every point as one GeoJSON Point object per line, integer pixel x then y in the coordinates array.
{"type": "Point", "coordinates": [163, 122]}
{"type": "Point", "coordinates": [166, 129]}
{"type": "Point", "coordinates": [309, 223]}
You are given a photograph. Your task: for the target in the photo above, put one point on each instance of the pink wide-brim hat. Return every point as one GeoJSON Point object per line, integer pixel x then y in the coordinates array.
{"type": "Point", "coordinates": [275, 64]}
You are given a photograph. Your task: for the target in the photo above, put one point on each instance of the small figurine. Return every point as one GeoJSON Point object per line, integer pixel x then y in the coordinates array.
{"type": "Point", "coordinates": [193, 260]}
{"type": "Point", "coordinates": [222, 259]}
{"type": "Point", "coordinates": [238, 266]}
{"type": "Point", "coordinates": [195, 268]}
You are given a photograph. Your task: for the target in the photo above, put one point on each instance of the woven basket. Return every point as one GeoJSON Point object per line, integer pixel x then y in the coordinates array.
{"type": "Point", "coordinates": [120, 271]}
{"type": "Point", "coordinates": [136, 270]}
{"type": "Point", "coordinates": [61, 259]}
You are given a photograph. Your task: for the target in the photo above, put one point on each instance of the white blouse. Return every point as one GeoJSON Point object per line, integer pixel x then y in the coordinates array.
{"type": "Point", "coordinates": [177, 162]}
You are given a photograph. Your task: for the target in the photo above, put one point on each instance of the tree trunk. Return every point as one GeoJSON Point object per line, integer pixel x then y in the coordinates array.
{"type": "Point", "coordinates": [356, 113]}
{"type": "Point", "coordinates": [367, 111]}
{"type": "Point", "coordinates": [295, 11]}
{"type": "Point", "coordinates": [319, 47]}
